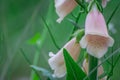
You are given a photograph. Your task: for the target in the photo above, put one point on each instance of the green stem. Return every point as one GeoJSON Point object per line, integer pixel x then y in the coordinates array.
{"type": "Point", "coordinates": [112, 54]}
{"type": "Point", "coordinates": [113, 13]}
{"type": "Point", "coordinates": [93, 62]}
{"type": "Point", "coordinates": [46, 25]}
{"type": "Point", "coordinates": [36, 57]}
{"type": "Point", "coordinates": [29, 62]}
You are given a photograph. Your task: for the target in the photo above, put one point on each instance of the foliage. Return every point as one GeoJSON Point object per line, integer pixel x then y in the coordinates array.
{"type": "Point", "coordinates": [22, 25]}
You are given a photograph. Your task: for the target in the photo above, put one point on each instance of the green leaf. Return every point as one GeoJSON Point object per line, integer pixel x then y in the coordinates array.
{"type": "Point", "coordinates": [74, 72]}
{"type": "Point", "coordinates": [35, 77]}
{"type": "Point", "coordinates": [35, 39]}
{"type": "Point", "coordinates": [51, 35]}
{"type": "Point", "coordinates": [80, 35]}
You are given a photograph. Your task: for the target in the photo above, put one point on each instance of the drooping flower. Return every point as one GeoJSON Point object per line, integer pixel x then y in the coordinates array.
{"type": "Point", "coordinates": [100, 69]}
{"type": "Point", "coordinates": [96, 39]}
{"type": "Point", "coordinates": [56, 61]}
{"type": "Point", "coordinates": [64, 7]}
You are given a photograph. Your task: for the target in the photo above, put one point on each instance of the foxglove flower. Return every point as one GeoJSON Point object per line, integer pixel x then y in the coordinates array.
{"type": "Point", "coordinates": [56, 61]}
{"type": "Point", "coordinates": [96, 39]}
{"type": "Point", "coordinates": [100, 69]}
{"type": "Point", "coordinates": [64, 7]}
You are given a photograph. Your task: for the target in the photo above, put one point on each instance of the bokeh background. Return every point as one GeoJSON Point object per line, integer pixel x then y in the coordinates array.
{"type": "Point", "coordinates": [25, 39]}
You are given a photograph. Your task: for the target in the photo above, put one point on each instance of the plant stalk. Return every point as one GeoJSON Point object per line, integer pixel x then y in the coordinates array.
{"type": "Point", "coordinates": [93, 62]}
{"type": "Point", "coordinates": [34, 76]}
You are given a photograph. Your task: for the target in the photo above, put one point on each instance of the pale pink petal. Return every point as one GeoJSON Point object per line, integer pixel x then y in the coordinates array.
{"type": "Point", "coordinates": [83, 42]}
{"type": "Point", "coordinates": [96, 39]}
{"type": "Point", "coordinates": [97, 52]}
{"type": "Point", "coordinates": [95, 23]}
{"type": "Point", "coordinates": [51, 54]}
{"type": "Point", "coordinates": [60, 71]}
{"type": "Point", "coordinates": [64, 7]}
{"type": "Point", "coordinates": [56, 62]}
{"type": "Point", "coordinates": [97, 45]}
{"type": "Point", "coordinates": [110, 41]}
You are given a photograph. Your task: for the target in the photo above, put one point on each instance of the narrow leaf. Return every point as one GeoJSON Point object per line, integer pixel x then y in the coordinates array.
{"type": "Point", "coordinates": [51, 35]}
{"type": "Point", "coordinates": [36, 75]}
{"type": "Point", "coordinates": [74, 72]}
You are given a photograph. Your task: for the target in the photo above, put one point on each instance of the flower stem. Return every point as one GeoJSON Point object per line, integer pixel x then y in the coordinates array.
{"type": "Point", "coordinates": [93, 62]}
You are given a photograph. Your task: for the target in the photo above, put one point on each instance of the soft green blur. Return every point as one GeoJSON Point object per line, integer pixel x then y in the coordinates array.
{"type": "Point", "coordinates": [24, 33]}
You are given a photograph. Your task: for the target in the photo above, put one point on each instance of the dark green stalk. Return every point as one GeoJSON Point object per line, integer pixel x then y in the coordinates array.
{"type": "Point", "coordinates": [81, 5]}
{"type": "Point", "coordinates": [77, 19]}
{"type": "Point", "coordinates": [29, 62]}
{"type": "Point", "coordinates": [113, 13]}
{"type": "Point", "coordinates": [36, 57]}
{"type": "Point", "coordinates": [46, 25]}
{"type": "Point", "coordinates": [112, 54]}
{"type": "Point", "coordinates": [93, 62]}
{"type": "Point", "coordinates": [116, 60]}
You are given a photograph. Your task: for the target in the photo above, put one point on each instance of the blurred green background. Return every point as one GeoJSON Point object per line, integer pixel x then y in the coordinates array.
{"type": "Point", "coordinates": [23, 34]}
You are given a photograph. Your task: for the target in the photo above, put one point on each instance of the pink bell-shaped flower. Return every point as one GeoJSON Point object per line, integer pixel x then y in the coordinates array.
{"type": "Point", "coordinates": [96, 39]}
{"type": "Point", "coordinates": [56, 61]}
{"type": "Point", "coordinates": [64, 7]}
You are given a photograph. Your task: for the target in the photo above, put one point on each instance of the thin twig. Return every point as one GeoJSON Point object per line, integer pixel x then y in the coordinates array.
{"type": "Point", "coordinates": [29, 62]}
{"type": "Point", "coordinates": [114, 11]}
{"type": "Point", "coordinates": [116, 60]}
{"type": "Point", "coordinates": [50, 34]}
{"type": "Point", "coordinates": [81, 5]}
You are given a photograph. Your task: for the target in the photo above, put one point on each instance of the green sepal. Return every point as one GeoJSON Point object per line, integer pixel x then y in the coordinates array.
{"type": "Point", "coordinates": [92, 3]}
{"type": "Point", "coordinates": [79, 34]}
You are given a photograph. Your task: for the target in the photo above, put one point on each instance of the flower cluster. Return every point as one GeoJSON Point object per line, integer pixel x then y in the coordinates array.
{"type": "Point", "coordinates": [96, 39]}
{"type": "Point", "coordinates": [64, 7]}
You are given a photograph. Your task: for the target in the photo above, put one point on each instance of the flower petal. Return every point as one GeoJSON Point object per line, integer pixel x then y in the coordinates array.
{"type": "Point", "coordinates": [96, 51]}
{"type": "Point", "coordinates": [111, 41]}
{"type": "Point", "coordinates": [60, 71]}
{"type": "Point", "coordinates": [97, 45]}
{"type": "Point", "coordinates": [96, 39]}
{"type": "Point", "coordinates": [51, 54]}
{"type": "Point", "coordinates": [56, 61]}
{"type": "Point", "coordinates": [95, 23]}
{"type": "Point", "coordinates": [64, 7]}
{"type": "Point", "coordinates": [83, 42]}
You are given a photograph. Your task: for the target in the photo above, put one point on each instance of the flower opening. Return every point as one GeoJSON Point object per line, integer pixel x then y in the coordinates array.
{"type": "Point", "coordinates": [56, 61]}
{"type": "Point", "coordinates": [96, 39]}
